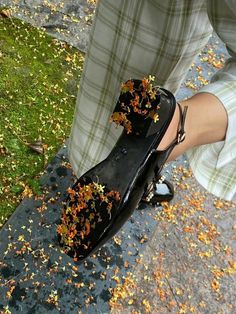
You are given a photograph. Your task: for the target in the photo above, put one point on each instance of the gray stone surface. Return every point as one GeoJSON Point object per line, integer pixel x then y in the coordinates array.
{"type": "Point", "coordinates": [67, 20]}
{"type": "Point", "coordinates": [189, 263]}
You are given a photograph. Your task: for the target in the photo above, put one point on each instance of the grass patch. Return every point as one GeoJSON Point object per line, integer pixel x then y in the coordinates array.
{"type": "Point", "coordinates": [38, 87]}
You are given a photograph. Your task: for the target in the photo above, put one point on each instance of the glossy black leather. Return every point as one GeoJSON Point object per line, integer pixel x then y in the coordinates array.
{"type": "Point", "coordinates": [129, 169]}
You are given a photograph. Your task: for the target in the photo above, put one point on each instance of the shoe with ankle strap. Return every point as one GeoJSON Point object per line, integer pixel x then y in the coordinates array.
{"type": "Point", "coordinates": [104, 198]}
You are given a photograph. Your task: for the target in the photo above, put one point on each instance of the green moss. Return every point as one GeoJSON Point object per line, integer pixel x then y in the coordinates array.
{"type": "Point", "coordinates": [38, 86]}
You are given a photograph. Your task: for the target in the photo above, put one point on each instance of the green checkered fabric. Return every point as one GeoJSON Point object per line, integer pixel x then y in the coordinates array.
{"type": "Point", "coordinates": [132, 39]}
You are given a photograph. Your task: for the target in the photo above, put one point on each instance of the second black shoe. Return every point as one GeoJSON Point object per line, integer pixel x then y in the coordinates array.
{"type": "Point", "coordinates": [158, 191]}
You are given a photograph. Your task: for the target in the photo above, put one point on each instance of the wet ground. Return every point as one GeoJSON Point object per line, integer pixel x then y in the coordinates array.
{"type": "Point", "coordinates": [37, 278]}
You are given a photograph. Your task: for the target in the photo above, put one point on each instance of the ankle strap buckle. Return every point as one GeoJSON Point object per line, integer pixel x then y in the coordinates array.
{"type": "Point", "coordinates": [181, 137]}
{"type": "Point", "coordinates": [181, 134]}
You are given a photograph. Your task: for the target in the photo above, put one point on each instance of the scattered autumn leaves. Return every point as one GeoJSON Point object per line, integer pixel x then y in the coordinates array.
{"type": "Point", "coordinates": [208, 261]}
{"type": "Point", "coordinates": [209, 60]}
{"type": "Point", "coordinates": [137, 99]}
{"type": "Point", "coordinates": [90, 206]}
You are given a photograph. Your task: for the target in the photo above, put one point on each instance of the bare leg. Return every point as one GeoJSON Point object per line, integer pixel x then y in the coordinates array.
{"type": "Point", "coordinates": [206, 122]}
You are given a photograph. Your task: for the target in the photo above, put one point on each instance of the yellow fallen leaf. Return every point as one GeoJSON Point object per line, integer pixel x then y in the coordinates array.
{"type": "Point", "coordinates": [232, 264]}
{"type": "Point", "coordinates": [5, 13]}
{"type": "Point", "coordinates": [215, 285]}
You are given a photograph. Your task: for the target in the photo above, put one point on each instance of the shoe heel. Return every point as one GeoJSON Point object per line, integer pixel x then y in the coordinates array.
{"type": "Point", "coordinates": [142, 109]}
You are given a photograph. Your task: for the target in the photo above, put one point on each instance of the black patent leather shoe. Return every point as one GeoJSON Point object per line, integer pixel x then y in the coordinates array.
{"type": "Point", "coordinates": [158, 192]}
{"type": "Point", "coordinates": [104, 198]}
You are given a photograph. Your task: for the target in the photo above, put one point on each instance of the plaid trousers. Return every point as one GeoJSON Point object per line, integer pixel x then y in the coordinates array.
{"type": "Point", "coordinates": [132, 39]}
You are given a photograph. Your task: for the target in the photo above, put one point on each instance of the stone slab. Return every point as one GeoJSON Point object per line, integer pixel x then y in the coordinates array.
{"type": "Point", "coordinates": [68, 21]}
{"type": "Point", "coordinates": [189, 264]}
